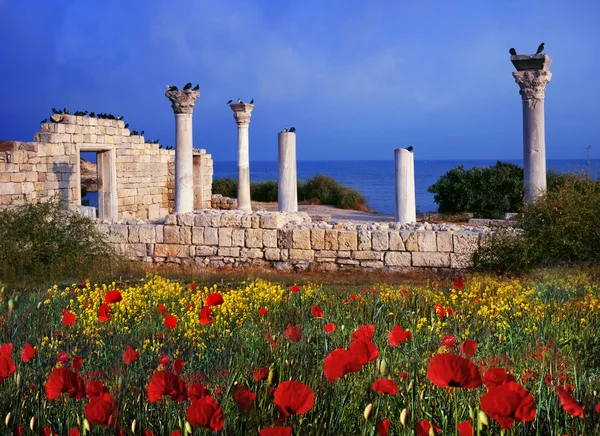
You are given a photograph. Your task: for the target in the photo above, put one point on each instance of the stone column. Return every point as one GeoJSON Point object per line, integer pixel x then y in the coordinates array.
{"type": "Point", "coordinates": [532, 75]}
{"type": "Point", "coordinates": [287, 184]}
{"type": "Point", "coordinates": [183, 103]}
{"type": "Point", "coordinates": [242, 113]}
{"type": "Point", "coordinates": [404, 179]}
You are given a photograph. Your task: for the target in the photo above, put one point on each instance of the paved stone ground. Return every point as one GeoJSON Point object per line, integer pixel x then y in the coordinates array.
{"type": "Point", "coordinates": [337, 215]}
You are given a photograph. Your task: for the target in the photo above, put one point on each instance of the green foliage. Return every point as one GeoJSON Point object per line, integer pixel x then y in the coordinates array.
{"type": "Point", "coordinates": [561, 227]}
{"type": "Point", "coordinates": [41, 242]}
{"type": "Point", "coordinates": [225, 187]}
{"type": "Point", "coordinates": [486, 192]}
{"type": "Point", "coordinates": [264, 191]}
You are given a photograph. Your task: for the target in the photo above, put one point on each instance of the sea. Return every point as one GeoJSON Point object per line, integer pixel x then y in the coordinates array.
{"type": "Point", "coordinates": [375, 178]}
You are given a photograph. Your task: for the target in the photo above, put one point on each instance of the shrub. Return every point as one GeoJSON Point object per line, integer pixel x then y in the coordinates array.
{"type": "Point", "coordinates": [41, 242]}
{"type": "Point", "coordinates": [264, 191]}
{"type": "Point", "coordinates": [561, 227]}
{"type": "Point", "coordinates": [226, 187]}
{"type": "Point", "coordinates": [486, 192]}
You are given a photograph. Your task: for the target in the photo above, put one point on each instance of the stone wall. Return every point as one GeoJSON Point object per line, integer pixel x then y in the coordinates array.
{"type": "Point", "coordinates": [292, 241]}
{"type": "Point", "coordinates": [218, 202]}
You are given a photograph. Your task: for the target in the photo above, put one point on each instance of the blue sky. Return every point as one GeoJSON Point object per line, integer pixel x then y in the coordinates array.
{"type": "Point", "coordinates": [356, 78]}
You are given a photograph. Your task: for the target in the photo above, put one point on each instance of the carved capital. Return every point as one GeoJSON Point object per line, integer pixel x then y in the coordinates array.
{"type": "Point", "coordinates": [242, 113]}
{"type": "Point", "coordinates": [182, 102]}
{"type": "Point", "coordinates": [532, 83]}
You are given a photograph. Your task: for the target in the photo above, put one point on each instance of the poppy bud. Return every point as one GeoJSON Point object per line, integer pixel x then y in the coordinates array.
{"type": "Point", "coordinates": [431, 431]}
{"type": "Point", "coordinates": [86, 425]}
{"type": "Point", "coordinates": [39, 305]}
{"type": "Point", "coordinates": [133, 426]}
{"type": "Point", "coordinates": [403, 416]}
{"type": "Point", "coordinates": [410, 385]}
{"type": "Point", "coordinates": [483, 419]}
{"type": "Point", "coordinates": [471, 413]}
{"type": "Point", "coordinates": [18, 380]}
{"type": "Point", "coordinates": [32, 423]}
{"type": "Point", "coordinates": [11, 305]}
{"type": "Point", "coordinates": [383, 368]}
{"type": "Point", "coordinates": [272, 375]}
{"type": "Point", "coordinates": [188, 428]}
{"type": "Point", "coordinates": [368, 411]}
{"type": "Point", "coordinates": [8, 419]}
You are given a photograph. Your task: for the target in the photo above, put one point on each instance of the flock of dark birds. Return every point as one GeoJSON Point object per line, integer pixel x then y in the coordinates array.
{"type": "Point", "coordinates": [187, 87]}
{"type": "Point", "coordinates": [291, 130]}
{"type": "Point", "coordinates": [540, 49]}
{"type": "Point", "coordinates": [239, 101]}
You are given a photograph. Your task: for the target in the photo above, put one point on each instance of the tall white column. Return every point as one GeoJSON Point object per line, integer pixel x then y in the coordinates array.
{"type": "Point", "coordinates": [287, 184]}
{"type": "Point", "coordinates": [242, 113]}
{"type": "Point", "coordinates": [532, 75]}
{"type": "Point", "coordinates": [183, 103]}
{"type": "Point", "coordinates": [404, 179]}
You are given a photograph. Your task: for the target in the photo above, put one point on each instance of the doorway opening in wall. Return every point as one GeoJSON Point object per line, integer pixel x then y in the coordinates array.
{"type": "Point", "coordinates": [97, 180]}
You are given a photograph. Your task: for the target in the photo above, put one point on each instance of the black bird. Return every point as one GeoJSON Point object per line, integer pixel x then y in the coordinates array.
{"type": "Point", "coordinates": [187, 86]}
{"type": "Point", "coordinates": [240, 100]}
{"type": "Point", "coordinates": [44, 121]}
{"type": "Point", "coordinates": [196, 88]}
{"type": "Point", "coordinates": [54, 111]}
{"type": "Point", "coordinates": [85, 113]}
{"type": "Point", "coordinates": [230, 101]}
{"type": "Point", "coordinates": [67, 111]}
{"type": "Point", "coordinates": [172, 88]}
{"type": "Point", "coordinates": [285, 129]}
{"type": "Point", "coordinates": [252, 101]}
{"type": "Point", "coordinates": [512, 52]}
{"type": "Point", "coordinates": [126, 126]}
{"type": "Point", "coordinates": [92, 115]}
{"type": "Point", "coordinates": [540, 49]}
{"type": "Point", "coordinates": [409, 148]}
{"type": "Point", "coordinates": [142, 133]}
{"type": "Point", "coordinates": [292, 129]}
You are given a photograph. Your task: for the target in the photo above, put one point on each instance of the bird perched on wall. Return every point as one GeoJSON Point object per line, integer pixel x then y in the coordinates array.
{"type": "Point", "coordinates": [54, 111]}
{"type": "Point", "coordinates": [92, 115]}
{"type": "Point", "coordinates": [142, 133]}
{"type": "Point", "coordinates": [187, 86]}
{"type": "Point", "coordinates": [409, 148]}
{"type": "Point", "coordinates": [512, 52]}
{"type": "Point", "coordinates": [292, 129]}
{"type": "Point", "coordinates": [126, 126]}
{"type": "Point", "coordinates": [66, 111]}
{"type": "Point", "coordinates": [252, 101]}
{"type": "Point", "coordinates": [196, 88]}
{"type": "Point", "coordinates": [540, 49]}
{"type": "Point", "coordinates": [230, 101]}
{"type": "Point", "coordinates": [45, 120]}
{"type": "Point", "coordinates": [172, 88]}
{"type": "Point", "coordinates": [240, 100]}
{"type": "Point", "coordinates": [285, 129]}
{"type": "Point", "coordinates": [134, 133]}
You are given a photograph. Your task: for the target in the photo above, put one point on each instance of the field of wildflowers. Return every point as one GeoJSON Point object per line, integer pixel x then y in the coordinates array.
{"type": "Point", "coordinates": [473, 356]}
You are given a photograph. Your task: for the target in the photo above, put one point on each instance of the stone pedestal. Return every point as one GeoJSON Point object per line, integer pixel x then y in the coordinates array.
{"type": "Point", "coordinates": [183, 103]}
{"type": "Point", "coordinates": [287, 184]}
{"type": "Point", "coordinates": [405, 210]}
{"type": "Point", "coordinates": [242, 113]}
{"type": "Point", "coordinates": [532, 75]}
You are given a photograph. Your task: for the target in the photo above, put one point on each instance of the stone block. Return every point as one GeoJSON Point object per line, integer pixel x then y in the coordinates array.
{"type": "Point", "coordinates": [231, 220]}
{"type": "Point", "coordinates": [211, 236]}
{"type": "Point", "coordinates": [331, 240]}
{"type": "Point", "coordinates": [297, 254]}
{"type": "Point", "coordinates": [466, 242]}
{"type": "Point", "coordinates": [171, 220]}
{"type": "Point", "coordinates": [364, 240]}
{"type": "Point", "coordinates": [254, 238]}
{"type": "Point", "coordinates": [409, 237]}
{"type": "Point", "coordinates": [431, 259]}
{"type": "Point", "coordinates": [371, 264]}
{"type": "Point", "coordinates": [301, 239]}
{"type": "Point", "coordinates": [237, 237]}
{"type": "Point", "coordinates": [380, 240]}
{"type": "Point", "coordinates": [225, 237]}
{"type": "Point", "coordinates": [229, 251]}
{"type": "Point", "coordinates": [272, 254]}
{"type": "Point", "coordinates": [118, 233]}
{"type": "Point", "coordinates": [136, 250]}
{"type": "Point", "coordinates": [368, 255]}
{"type": "Point", "coordinates": [460, 261]}
{"type": "Point", "coordinates": [444, 241]}
{"type": "Point", "coordinates": [171, 250]}
{"type": "Point", "coordinates": [348, 262]}
{"type": "Point", "coordinates": [246, 221]}
{"type": "Point", "coordinates": [271, 221]}
{"type": "Point", "coordinates": [394, 258]}
{"type": "Point", "coordinates": [154, 211]}
{"type": "Point", "coordinates": [284, 239]}
{"type": "Point", "coordinates": [344, 254]}
{"type": "Point", "coordinates": [171, 235]}
{"type": "Point", "coordinates": [197, 235]}
{"type": "Point", "coordinates": [185, 219]}
{"type": "Point", "coordinates": [252, 253]}
{"type": "Point", "coordinates": [185, 235]}
{"type": "Point", "coordinates": [204, 250]}
{"type": "Point", "coordinates": [325, 254]}
{"type": "Point", "coordinates": [270, 238]}
{"type": "Point", "coordinates": [147, 234]}
{"type": "Point", "coordinates": [134, 233]}
{"type": "Point", "coordinates": [160, 233]}
{"type": "Point", "coordinates": [426, 241]}
{"type": "Point", "coordinates": [202, 220]}
{"type": "Point", "coordinates": [396, 242]}
{"type": "Point", "coordinates": [347, 240]}
{"type": "Point", "coordinates": [317, 239]}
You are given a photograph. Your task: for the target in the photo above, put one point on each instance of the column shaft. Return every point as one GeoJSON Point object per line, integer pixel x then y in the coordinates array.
{"type": "Point", "coordinates": [534, 148]}
{"type": "Point", "coordinates": [404, 179]}
{"type": "Point", "coordinates": [243, 169]}
{"type": "Point", "coordinates": [184, 176]}
{"type": "Point", "coordinates": [287, 186]}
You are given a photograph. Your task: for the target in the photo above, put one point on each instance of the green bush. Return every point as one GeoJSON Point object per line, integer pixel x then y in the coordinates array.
{"type": "Point", "coordinates": [561, 227]}
{"type": "Point", "coordinates": [486, 192]}
{"type": "Point", "coordinates": [264, 191]}
{"type": "Point", "coordinates": [42, 243]}
{"type": "Point", "coordinates": [226, 187]}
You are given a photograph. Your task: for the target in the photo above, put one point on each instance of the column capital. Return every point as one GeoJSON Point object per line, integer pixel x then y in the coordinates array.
{"type": "Point", "coordinates": [182, 102]}
{"type": "Point", "coordinates": [242, 113]}
{"type": "Point", "coordinates": [532, 83]}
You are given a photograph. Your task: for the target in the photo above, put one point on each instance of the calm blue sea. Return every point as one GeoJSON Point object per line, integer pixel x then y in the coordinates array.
{"type": "Point", "coordinates": [375, 179]}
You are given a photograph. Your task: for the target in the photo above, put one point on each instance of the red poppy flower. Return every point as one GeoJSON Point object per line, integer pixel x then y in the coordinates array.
{"type": "Point", "coordinates": [293, 397]}
{"type": "Point", "coordinates": [294, 289]}
{"type": "Point", "coordinates": [161, 308]}
{"type": "Point", "coordinates": [450, 311]}
{"type": "Point", "coordinates": [178, 365]}
{"type": "Point", "coordinates": [206, 413]}
{"type": "Point", "coordinates": [571, 406]}
{"type": "Point", "coordinates": [317, 311]}
{"type": "Point", "coordinates": [263, 311]}
{"type": "Point", "coordinates": [439, 310]}
{"type": "Point", "coordinates": [76, 363]}
{"type": "Point", "coordinates": [113, 296]}
{"type": "Point", "coordinates": [193, 286]}
{"type": "Point", "coordinates": [468, 348]}
{"type": "Point", "coordinates": [385, 386]}
{"type": "Point", "coordinates": [164, 360]}
{"type": "Point", "coordinates": [149, 433]}
{"type": "Point", "coordinates": [214, 299]}
{"type": "Point", "coordinates": [383, 427]}
{"type": "Point", "coordinates": [95, 388]}
{"type": "Point", "coordinates": [465, 428]}
{"type": "Point", "coordinates": [364, 332]}
{"type": "Point", "coordinates": [64, 380]}
{"type": "Point", "coordinates": [338, 363]}
{"type": "Point", "coordinates": [364, 351]}
{"type": "Point", "coordinates": [29, 353]}
{"type": "Point", "coordinates": [168, 384]}
{"type": "Point", "coordinates": [260, 373]}
{"type": "Point", "coordinates": [175, 433]}
{"type": "Point", "coordinates": [74, 432]}
{"type": "Point", "coordinates": [130, 355]}
{"type": "Point", "coordinates": [244, 398]}
{"type": "Point", "coordinates": [448, 341]}
{"type": "Point", "coordinates": [205, 315]}
{"type": "Point", "coordinates": [7, 367]}
{"type": "Point", "coordinates": [329, 328]}
{"type": "Point", "coordinates": [170, 321]}
{"type": "Point", "coordinates": [47, 431]}
{"type": "Point", "coordinates": [293, 333]}
{"type": "Point", "coordinates": [458, 284]}
{"type": "Point", "coordinates": [508, 403]}
{"type": "Point", "coordinates": [450, 370]}
{"type": "Point", "coordinates": [102, 410]}
{"type": "Point", "coordinates": [197, 391]}
{"type": "Point", "coordinates": [62, 358]}
{"type": "Point", "coordinates": [397, 336]}
{"type": "Point", "coordinates": [276, 431]}
{"type": "Point", "coordinates": [103, 312]}
{"type": "Point", "coordinates": [19, 431]}
{"type": "Point", "coordinates": [597, 408]}
{"type": "Point", "coordinates": [68, 318]}
{"type": "Point", "coordinates": [496, 377]}
{"type": "Point", "coordinates": [424, 427]}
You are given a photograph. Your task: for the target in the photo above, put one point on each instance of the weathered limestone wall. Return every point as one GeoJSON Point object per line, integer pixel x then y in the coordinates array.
{"type": "Point", "coordinates": [292, 241]}
{"type": "Point", "coordinates": [218, 202]}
